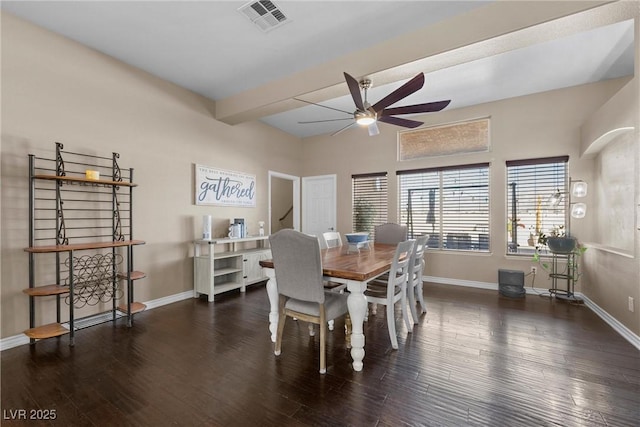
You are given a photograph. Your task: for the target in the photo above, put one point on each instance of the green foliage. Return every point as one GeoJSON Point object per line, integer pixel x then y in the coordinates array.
{"type": "Point", "coordinates": [364, 213]}
{"type": "Point", "coordinates": [557, 231]}
{"type": "Point", "coordinates": [574, 267]}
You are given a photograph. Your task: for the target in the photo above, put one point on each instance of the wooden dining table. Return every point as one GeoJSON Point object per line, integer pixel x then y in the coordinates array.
{"type": "Point", "coordinates": [346, 265]}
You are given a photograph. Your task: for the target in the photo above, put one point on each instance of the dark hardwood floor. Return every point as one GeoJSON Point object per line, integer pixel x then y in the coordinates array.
{"type": "Point", "coordinates": [474, 359]}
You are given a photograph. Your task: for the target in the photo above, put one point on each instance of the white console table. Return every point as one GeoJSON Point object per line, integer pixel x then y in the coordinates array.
{"type": "Point", "coordinates": [221, 265]}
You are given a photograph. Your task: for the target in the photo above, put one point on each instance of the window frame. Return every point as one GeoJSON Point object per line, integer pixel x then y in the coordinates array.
{"type": "Point", "coordinates": [539, 182]}
{"type": "Point", "coordinates": [470, 232]}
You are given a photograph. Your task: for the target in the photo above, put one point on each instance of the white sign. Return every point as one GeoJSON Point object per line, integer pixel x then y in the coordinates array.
{"type": "Point", "coordinates": [225, 188]}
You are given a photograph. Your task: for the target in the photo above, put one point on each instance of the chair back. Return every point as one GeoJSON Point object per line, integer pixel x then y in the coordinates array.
{"type": "Point", "coordinates": [298, 265]}
{"type": "Point", "coordinates": [400, 268]}
{"type": "Point", "coordinates": [417, 259]}
{"type": "Point", "coordinates": [390, 233]}
{"type": "Point", "coordinates": [332, 239]}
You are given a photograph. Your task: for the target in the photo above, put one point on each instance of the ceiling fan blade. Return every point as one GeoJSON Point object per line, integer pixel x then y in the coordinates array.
{"type": "Point", "coordinates": [324, 106]}
{"type": "Point", "coordinates": [403, 91]}
{"type": "Point", "coordinates": [400, 122]}
{"type": "Point", "coordinates": [354, 88]}
{"type": "Point", "coordinates": [323, 121]}
{"type": "Point", "coordinates": [428, 107]}
{"type": "Point", "coordinates": [373, 129]}
{"type": "Point", "coordinates": [343, 129]}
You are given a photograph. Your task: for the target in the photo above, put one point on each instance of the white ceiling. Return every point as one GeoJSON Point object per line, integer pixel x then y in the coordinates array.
{"type": "Point", "coordinates": [211, 49]}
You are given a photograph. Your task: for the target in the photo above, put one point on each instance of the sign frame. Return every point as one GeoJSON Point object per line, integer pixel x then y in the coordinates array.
{"type": "Point", "coordinates": [221, 187]}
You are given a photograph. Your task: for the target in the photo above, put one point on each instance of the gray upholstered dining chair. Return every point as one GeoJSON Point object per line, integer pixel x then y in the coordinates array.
{"type": "Point", "coordinates": [414, 281]}
{"type": "Point", "coordinates": [394, 289]}
{"type": "Point", "coordinates": [298, 269]}
{"type": "Point", "coordinates": [332, 239]}
{"type": "Point", "coordinates": [390, 233]}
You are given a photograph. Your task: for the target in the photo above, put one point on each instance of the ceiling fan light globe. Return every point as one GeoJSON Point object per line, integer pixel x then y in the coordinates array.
{"type": "Point", "coordinates": [364, 118]}
{"type": "Point", "coordinates": [365, 121]}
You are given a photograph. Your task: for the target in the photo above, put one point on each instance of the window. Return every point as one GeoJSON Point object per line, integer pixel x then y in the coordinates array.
{"type": "Point", "coordinates": [369, 201]}
{"type": "Point", "coordinates": [444, 140]}
{"type": "Point", "coordinates": [450, 204]}
{"type": "Point", "coordinates": [530, 185]}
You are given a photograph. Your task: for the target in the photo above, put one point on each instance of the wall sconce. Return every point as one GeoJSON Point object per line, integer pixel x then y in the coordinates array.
{"type": "Point", "coordinates": [576, 210]}
{"type": "Point", "coordinates": [578, 189]}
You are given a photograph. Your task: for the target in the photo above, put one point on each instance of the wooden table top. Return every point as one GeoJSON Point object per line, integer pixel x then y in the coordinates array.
{"type": "Point", "coordinates": [361, 266]}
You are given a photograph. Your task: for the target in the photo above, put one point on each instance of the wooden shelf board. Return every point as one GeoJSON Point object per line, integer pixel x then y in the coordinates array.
{"type": "Point", "coordinates": [136, 307]}
{"type": "Point", "coordinates": [227, 240]}
{"type": "Point", "coordinates": [135, 275]}
{"type": "Point", "coordinates": [46, 331]}
{"type": "Point", "coordinates": [262, 279]}
{"type": "Point", "coordinates": [242, 253]}
{"type": "Point", "coordinates": [227, 254]}
{"type": "Point", "coordinates": [225, 287]}
{"type": "Point", "coordinates": [255, 250]}
{"type": "Point", "coordinates": [224, 271]}
{"type": "Point", "coordinates": [85, 180]}
{"type": "Point", "coordinates": [82, 246]}
{"type": "Point", "coordinates": [41, 291]}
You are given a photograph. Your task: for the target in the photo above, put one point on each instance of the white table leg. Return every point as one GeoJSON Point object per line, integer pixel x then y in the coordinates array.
{"type": "Point", "coordinates": [357, 303]}
{"type": "Point", "coordinates": [272, 291]}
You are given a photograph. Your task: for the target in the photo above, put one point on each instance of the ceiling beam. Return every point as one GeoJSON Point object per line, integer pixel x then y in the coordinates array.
{"type": "Point", "coordinates": [433, 47]}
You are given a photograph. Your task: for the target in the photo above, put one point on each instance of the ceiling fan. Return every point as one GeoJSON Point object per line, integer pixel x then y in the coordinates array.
{"type": "Point", "coordinates": [368, 115]}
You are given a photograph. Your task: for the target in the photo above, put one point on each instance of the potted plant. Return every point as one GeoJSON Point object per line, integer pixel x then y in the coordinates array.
{"type": "Point", "coordinates": [559, 243]}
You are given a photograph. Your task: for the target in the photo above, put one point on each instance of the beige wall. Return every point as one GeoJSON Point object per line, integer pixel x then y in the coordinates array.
{"type": "Point", "coordinates": [540, 125]}
{"type": "Point", "coordinates": [56, 90]}
{"type": "Point", "coordinates": [612, 272]}
{"type": "Point", "coordinates": [612, 136]}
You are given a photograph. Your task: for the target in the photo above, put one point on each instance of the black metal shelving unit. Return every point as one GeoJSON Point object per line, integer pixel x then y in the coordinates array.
{"type": "Point", "coordinates": [566, 275]}
{"type": "Point", "coordinates": [84, 223]}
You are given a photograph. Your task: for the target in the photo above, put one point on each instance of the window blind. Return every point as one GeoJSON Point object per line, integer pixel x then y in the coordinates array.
{"type": "Point", "coordinates": [530, 184]}
{"type": "Point", "coordinates": [370, 193]}
{"type": "Point", "coordinates": [450, 204]}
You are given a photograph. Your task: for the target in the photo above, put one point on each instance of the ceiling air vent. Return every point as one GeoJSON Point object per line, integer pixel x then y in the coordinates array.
{"type": "Point", "coordinates": [265, 14]}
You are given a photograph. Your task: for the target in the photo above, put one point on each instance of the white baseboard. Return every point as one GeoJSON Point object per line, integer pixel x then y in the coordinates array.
{"type": "Point", "coordinates": [625, 332]}
{"type": "Point", "coordinates": [478, 285]}
{"type": "Point", "coordinates": [168, 300]}
{"type": "Point", "coordinates": [458, 282]}
{"type": "Point", "coordinates": [611, 321]}
{"type": "Point", "coordinates": [14, 341]}
{"type": "Point", "coordinates": [17, 340]}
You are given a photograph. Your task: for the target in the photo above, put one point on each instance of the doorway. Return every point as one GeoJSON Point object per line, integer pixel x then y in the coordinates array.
{"type": "Point", "coordinates": [284, 202]}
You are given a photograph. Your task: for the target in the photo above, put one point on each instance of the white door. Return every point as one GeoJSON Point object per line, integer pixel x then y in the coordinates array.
{"type": "Point", "coordinates": [318, 204]}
